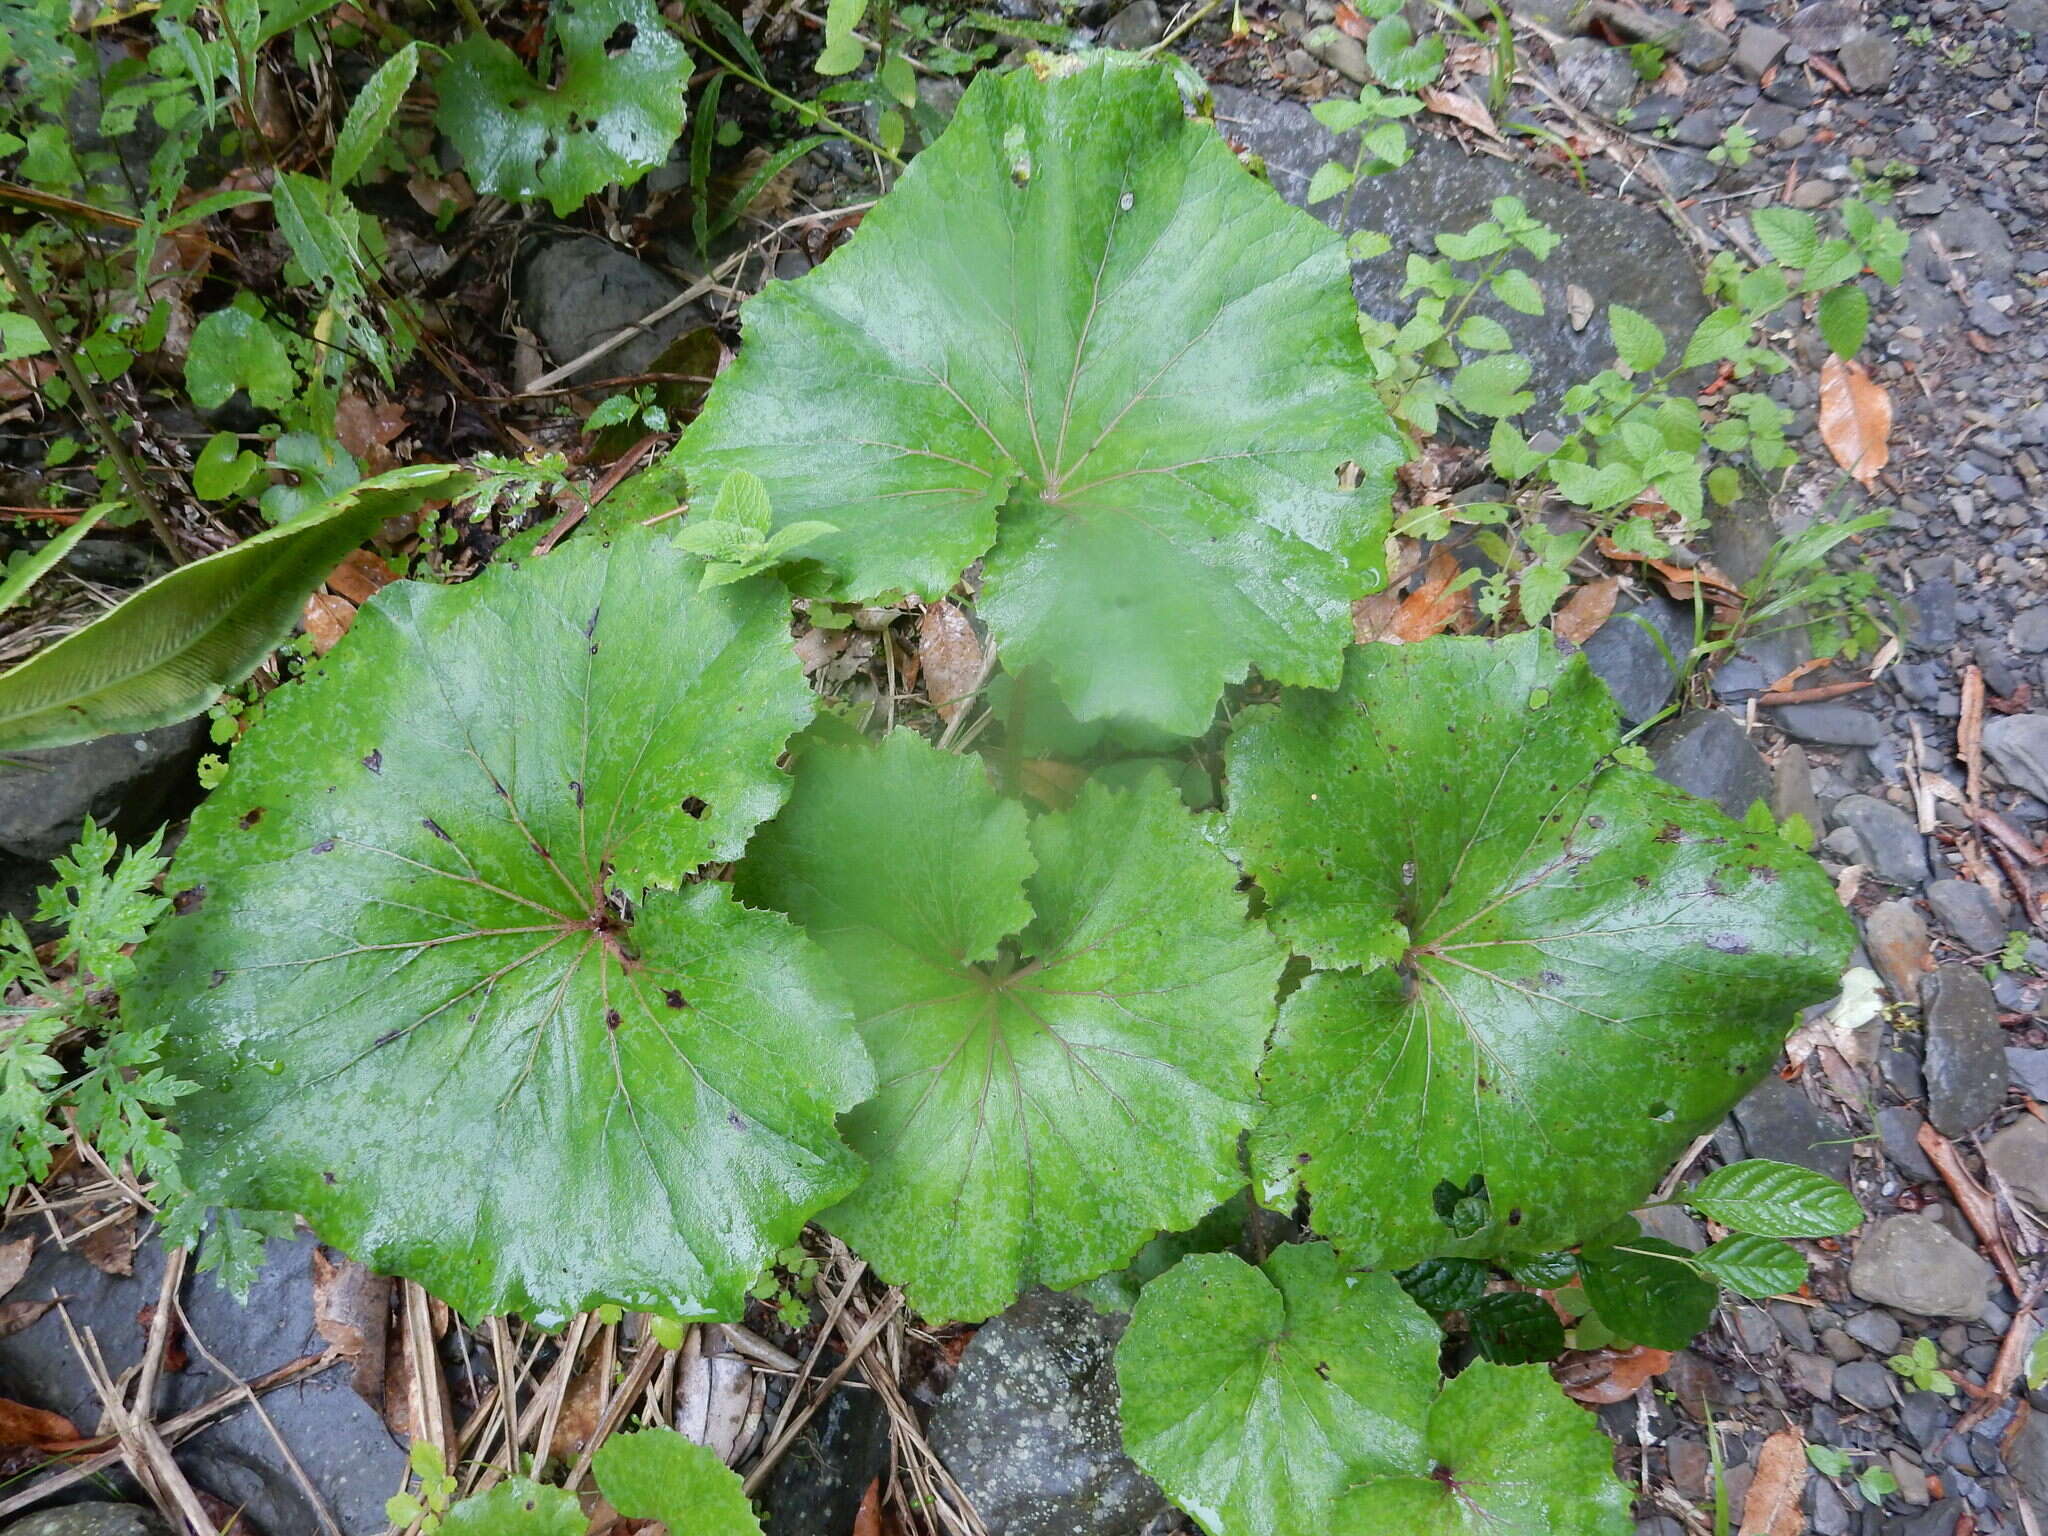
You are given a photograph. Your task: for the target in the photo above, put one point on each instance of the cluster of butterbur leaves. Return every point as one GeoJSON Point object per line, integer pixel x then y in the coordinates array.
{"type": "Point", "coordinates": [509, 954]}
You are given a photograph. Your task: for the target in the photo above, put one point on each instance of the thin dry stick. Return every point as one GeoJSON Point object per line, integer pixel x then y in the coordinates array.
{"type": "Point", "coordinates": [429, 1391]}
{"type": "Point", "coordinates": [141, 1446]}
{"type": "Point", "coordinates": [854, 1351]}
{"type": "Point", "coordinates": [88, 403]}
{"type": "Point", "coordinates": [1815, 694]}
{"type": "Point", "coordinates": [2005, 1370]}
{"type": "Point", "coordinates": [241, 1387]}
{"type": "Point", "coordinates": [1970, 734]}
{"type": "Point", "coordinates": [1976, 1203]}
{"type": "Point", "coordinates": [639, 327]}
{"type": "Point", "coordinates": [159, 1333]}
{"type": "Point", "coordinates": [832, 1311]}
{"type": "Point", "coordinates": [186, 1424]}
{"type": "Point", "coordinates": [651, 1355]}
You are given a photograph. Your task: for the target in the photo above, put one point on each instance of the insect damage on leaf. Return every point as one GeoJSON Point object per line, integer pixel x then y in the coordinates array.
{"type": "Point", "coordinates": [438, 1014]}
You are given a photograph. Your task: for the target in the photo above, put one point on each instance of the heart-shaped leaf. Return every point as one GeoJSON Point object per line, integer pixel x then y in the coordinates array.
{"type": "Point", "coordinates": [1298, 1399]}
{"type": "Point", "coordinates": [655, 1474]}
{"type": "Point", "coordinates": [611, 119]}
{"type": "Point", "coordinates": [1080, 339]}
{"type": "Point", "coordinates": [166, 653]}
{"type": "Point", "coordinates": [1569, 968]}
{"type": "Point", "coordinates": [417, 980]}
{"type": "Point", "coordinates": [1065, 1016]}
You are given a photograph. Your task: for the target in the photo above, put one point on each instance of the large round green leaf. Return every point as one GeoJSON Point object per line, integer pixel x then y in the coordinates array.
{"type": "Point", "coordinates": [1079, 338]}
{"type": "Point", "coordinates": [419, 985]}
{"type": "Point", "coordinates": [611, 119]}
{"type": "Point", "coordinates": [1544, 971]}
{"type": "Point", "coordinates": [1065, 1017]}
{"type": "Point", "coordinates": [1299, 1399]}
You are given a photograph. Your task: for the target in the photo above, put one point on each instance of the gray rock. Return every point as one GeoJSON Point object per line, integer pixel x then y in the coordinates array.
{"type": "Point", "coordinates": [1969, 912]}
{"type": "Point", "coordinates": [1876, 1330]}
{"type": "Point", "coordinates": [1638, 653]}
{"type": "Point", "coordinates": [1620, 253]}
{"type": "Point", "coordinates": [1829, 725]}
{"type": "Point", "coordinates": [575, 293]}
{"type": "Point", "coordinates": [1138, 25]}
{"type": "Point", "coordinates": [1965, 1057]}
{"type": "Point", "coordinates": [2030, 630]}
{"type": "Point", "coordinates": [1599, 78]}
{"type": "Point", "coordinates": [1811, 1374]}
{"type": "Point", "coordinates": [337, 1437]}
{"type": "Point", "coordinates": [1935, 1520]}
{"type": "Point", "coordinates": [1896, 937]}
{"type": "Point", "coordinates": [123, 781]}
{"type": "Point", "coordinates": [1866, 1383]}
{"type": "Point", "coordinates": [1824, 25]}
{"type": "Point", "coordinates": [2028, 1458]}
{"type": "Point", "coordinates": [1706, 753]}
{"type": "Point", "coordinates": [1792, 788]}
{"type": "Point", "coordinates": [2018, 745]}
{"type": "Point", "coordinates": [1840, 1347]}
{"type": "Point", "coordinates": [2030, 16]}
{"type": "Point", "coordinates": [1897, 852]}
{"type": "Point", "coordinates": [1915, 1264]}
{"type": "Point", "coordinates": [1898, 1128]}
{"type": "Point", "coordinates": [1341, 51]}
{"type": "Point", "coordinates": [2019, 1155]}
{"type": "Point", "coordinates": [1868, 59]}
{"type": "Point", "coordinates": [2028, 1066]}
{"type": "Point", "coordinates": [1030, 1425]}
{"type": "Point", "coordinates": [1671, 1223]}
{"type": "Point", "coordinates": [1828, 1515]}
{"type": "Point", "coordinates": [818, 1486]}
{"type": "Point", "coordinates": [91, 1520]}
{"type": "Point", "coordinates": [1758, 48]}
{"type": "Point", "coordinates": [1776, 1121]}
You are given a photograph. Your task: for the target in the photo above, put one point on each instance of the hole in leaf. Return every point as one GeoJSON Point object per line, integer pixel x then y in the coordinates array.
{"type": "Point", "coordinates": [621, 38]}
{"type": "Point", "coordinates": [375, 761]}
{"type": "Point", "coordinates": [189, 901]}
{"type": "Point", "coordinates": [1660, 1111]}
{"type": "Point", "coordinates": [250, 818]}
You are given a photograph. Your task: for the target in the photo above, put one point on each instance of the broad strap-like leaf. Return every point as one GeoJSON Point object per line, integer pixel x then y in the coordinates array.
{"type": "Point", "coordinates": [1544, 971]}
{"type": "Point", "coordinates": [165, 653]}
{"type": "Point", "coordinates": [1065, 1017]}
{"type": "Point", "coordinates": [655, 1474]}
{"type": "Point", "coordinates": [1079, 338]}
{"type": "Point", "coordinates": [417, 979]}
{"type": "Point", "coordinates": [1302, 1399]}
{"type": "Point", "coordinates": [609, 120]}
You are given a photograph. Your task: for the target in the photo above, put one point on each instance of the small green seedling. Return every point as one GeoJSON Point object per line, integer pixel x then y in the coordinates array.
{"type": "Point", "coordinates": [1921, 1366]}
{"type": "Point", "coordinates": [735, 540]}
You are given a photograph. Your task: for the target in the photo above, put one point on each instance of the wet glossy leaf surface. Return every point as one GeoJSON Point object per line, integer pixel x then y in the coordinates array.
{"type": "Point", "coordinates": [1065, 1017]}
{"type": "Point", "coordinates": [1300, 1399]}
{"type": "Point", "coordinates": [1555, 971]}
{"type": "Point", "coordinates": [416, 977]}
{"type": "Point", "coordinates": [1078, 338]}
{"type": "Point", "coordinates": [610, 119]}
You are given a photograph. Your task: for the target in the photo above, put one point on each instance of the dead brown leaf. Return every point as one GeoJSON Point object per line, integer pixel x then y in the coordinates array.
{"type": "Point", "coordinates": [326, 619]}
{"type": "Point", "coordinates": [1054, 785]}
{"type": "Point", "coordinates": [1350, 22]}
{"type": "Point", "coordinates": [1855, 418]}
{"type": "Point", "coordinates": [17, 1315]}
{"type": "Point", "coordinates": [23, 1425]}
{"type": "Point", "coordinates": [111, 1250]}
{"type": "Point", "coordinates": [175, 1358]}
{"type": "Point", "coordinates": [951, 653]}
{"type": "Point", "coordinates": [1469, 110]}
{"type": "Point", "coordinates": [1589, 606]}
{"type": "Point", "coordinates": [360, 577]}
{"type": "Point", "coordinates": [1772, 1508]}
{"type": "Point", "coordinates": [1372, 618]}
{"type": "Point", "coordinates": [1434, 606]}
{"type": "Point", "coordinates": [352, 1311]}
{"type": "Point", "coordinates": [367, 430]}
{"type": "Point", "coordinates": [14, 1259]}
{"type": "Point", "coordinates": [868, 1522]}
{"type": "Point", "coordinates": [1602, 1376]}
{"type": "Point", "coordinates": [581, 1405]}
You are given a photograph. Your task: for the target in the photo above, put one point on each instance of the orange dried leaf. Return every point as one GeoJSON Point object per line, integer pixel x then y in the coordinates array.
{"type": "Point", "coordinates": [360, 577]}
{"type": "Point", "coordinates": [325, 620]}
{"type": "Point", "coordinates": [1468, 110]}
{"type": "Point", "coordinates": [1372, 618]}
{"type": "Point", "coordinates": [952, 657]}
{"type": "Point", "coordinates": [1435, 605]}
{"type": "Point", "coordinates": [1590, 606]}
{"type": "Point", "coordinates": [23, 1425]}
{"type": "Point", "coordinates": [1773, 1505]}
{"type": "Point", "coordinates": [1855, 418]}
{"type": "Point", "coordinates": [1603, 1376]}
{"type": "Point", "coordinates": [1054, 785]}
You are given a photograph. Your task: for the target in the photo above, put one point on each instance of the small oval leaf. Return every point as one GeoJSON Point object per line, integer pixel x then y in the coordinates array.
{"type": "Point", "coordinates": [1773, 1199]}
{"type": "Point", "coordinates": [1755, 1266]}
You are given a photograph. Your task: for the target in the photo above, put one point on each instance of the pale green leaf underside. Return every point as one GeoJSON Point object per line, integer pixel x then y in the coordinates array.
{"type": "Point", "coordinates": [1080, 339]}
{"type": "Point", "coordinates": [1065, 1017]}
{"type": "Point", "coordinates": [166, 653]}
{"type": "Point", "coordinates": [610, 119]}
{"type": "Point", "coordinates": [1568, 968]}
{"type": "Point", "coordinates": [405, 983]}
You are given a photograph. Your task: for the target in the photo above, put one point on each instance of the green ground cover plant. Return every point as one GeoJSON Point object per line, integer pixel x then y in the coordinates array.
{"type": "Point", "coordinates": [548, 943]}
